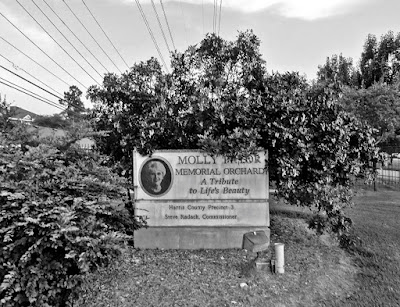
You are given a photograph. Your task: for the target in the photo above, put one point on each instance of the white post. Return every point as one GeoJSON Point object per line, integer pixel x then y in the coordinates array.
{"type": "Point", "coordinates": [280, 258]}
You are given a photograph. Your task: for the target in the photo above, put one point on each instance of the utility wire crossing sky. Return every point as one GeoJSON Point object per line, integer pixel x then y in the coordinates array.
{"type": "Point", "coordinates": [48, 45]}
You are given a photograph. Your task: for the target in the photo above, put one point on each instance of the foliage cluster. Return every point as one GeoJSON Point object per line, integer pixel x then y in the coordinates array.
{"type": "Point", "coordinates": [73, 102]}
{"type": "Point", "coordinates": [369, 90]}
{"type": "Point", "coordinates": [57, 220]}
{"type": "Point", "coordinates": [55, 121]}
{"type": "Point", "coordinates": [379, 62]}
{"type": "Point", "coordinates": [5, 114]}
{"type": "Point", "coordinates": [379, 106]}
{"type": "Point", "coordinates": [219, 98]}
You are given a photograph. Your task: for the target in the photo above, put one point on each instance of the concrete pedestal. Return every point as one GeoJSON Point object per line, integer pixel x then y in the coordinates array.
{"type": "Point", "coordinates": [193, 237]}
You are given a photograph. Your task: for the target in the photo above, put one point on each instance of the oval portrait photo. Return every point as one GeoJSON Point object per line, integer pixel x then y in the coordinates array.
{"type": "Point", "coordinates": [156, 177]}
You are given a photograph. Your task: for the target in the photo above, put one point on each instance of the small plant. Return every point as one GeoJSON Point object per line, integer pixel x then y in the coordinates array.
{"type": "Point", "coordinates": [350, 242]}
{"type": "Point", "coordinates": [318, 223]}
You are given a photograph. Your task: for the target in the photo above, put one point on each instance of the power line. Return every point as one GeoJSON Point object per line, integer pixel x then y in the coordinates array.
{"type": "Point", "coordinates": [26, 92]}
{"type": "Point", "coordinates": [202, 13]}
{"type": "Point", "coordinates": [41, 50]}
{"type": "Point", "coordinates": [15, 74]}
{"type": "Point", "coordinates": [54, 40]}
{"type": "Point", "coordinates": [91, 35]}
{"type": "Point", "coordinates": [214, 15]}
{"type": "Point", "coordinates": [160, 25]}
{"type": "Point", "coordinates": [34, 61]}
{"type": "Point", "coordinates": [184, 22]}
{"type": "Point", "coordinates": [19, 68]}
{"type": "Point", "coordinates": [68, 41]}
{"type": "Point", "coordinates": [219, 22]}
{"type": "Point", "coordinates": [105, 33]}
{"type": "Point", "coordinates": [41, 97]}
{"type": "Point", "coordinates": [166, 20]}
{"type": "Point", "coordinates": [151, 34]}
{"type": "Point", "coordinates": [59, 105]}
{"type": "Point", "coordinates": [73, 33]}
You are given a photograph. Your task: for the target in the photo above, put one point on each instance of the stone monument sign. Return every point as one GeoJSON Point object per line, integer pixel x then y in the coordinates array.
{"type": "Point", "coordinates": [194, 200]}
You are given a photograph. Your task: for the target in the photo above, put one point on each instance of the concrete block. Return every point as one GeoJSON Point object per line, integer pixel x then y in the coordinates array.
{"type": "Point", "coordinates": [256, 241]}
{"type": "Point", "coordinates": [193, 237]}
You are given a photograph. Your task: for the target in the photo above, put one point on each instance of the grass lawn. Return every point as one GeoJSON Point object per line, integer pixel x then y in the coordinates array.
{"type": "Point", "coordinates": [317, 271]}
{"type": "Point", "coordinates": [376, 217]}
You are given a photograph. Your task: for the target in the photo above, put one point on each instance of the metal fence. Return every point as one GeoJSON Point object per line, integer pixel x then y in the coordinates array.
{"type": "Point", "coordinates": [388, 172]}
{"type": "Point", "coordinates": [86, 148]}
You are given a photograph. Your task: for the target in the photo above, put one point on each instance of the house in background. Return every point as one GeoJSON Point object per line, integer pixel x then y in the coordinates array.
{"type": "Point", "coordinates": [22, 115]}
{"type": "Point", "coordinates": [26, 117]}
{"type": "Point", "coordinates": [86, 143]}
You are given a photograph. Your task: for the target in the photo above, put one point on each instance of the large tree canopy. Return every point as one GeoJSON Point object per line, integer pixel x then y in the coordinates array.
{"type": "Point", "coordinates": [378, 106]}
{"type": "Point", "coordinates": [219, 98]}
{"type": "Point", "coordinates": [73, 102]}
{"type": "Point", "coordinates": [380, 59]}
{"type": "Point", "coordinates": [55, 121]}
{"type": "Point", "coordinates": [5, 113]}
{"type": "Point", "coordinates": [379, 62]}
{"type": "Point", "coordinates": [371, 90]}
{"type": "Point", "coordinates": [337, 69]}
{"type": "Point", "coordinates": [123, 107]}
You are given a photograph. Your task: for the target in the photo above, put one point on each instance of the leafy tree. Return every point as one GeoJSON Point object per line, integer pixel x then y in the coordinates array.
{"type": "Point", "coordinates": [72, 99]}
{"type": "Point", "coordinates": [380, 60]}
{"type": "Point", "coordinates": [121, 108]}
{"type": "Point", "coordinates": [338, 70]}
{"type": "Point", "coordinates": [5, 114]}
{"type": "Point", "coordinates": [315, 148]}
{"type": "Point", "coordinates": [369, 64]}
{"type": "Point", "coordinates": [372, 93]}
{"type": "Point", "coordinates": [219, 98]}
{"type": "Point", "coordinates": [61, 217]}
{"type": "Point", "coordinates": [53, 121]}
{"type": "Point", "coordinates": [378, 106]}
{"type": "Point", "coordinates": [388, 56]}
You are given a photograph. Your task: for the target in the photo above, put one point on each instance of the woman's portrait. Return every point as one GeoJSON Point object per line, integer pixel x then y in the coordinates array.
{"type": "Point", "coordinates": [155, 177]}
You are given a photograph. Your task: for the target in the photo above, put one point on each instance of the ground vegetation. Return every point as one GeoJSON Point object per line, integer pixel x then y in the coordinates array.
{"type": "Point", "coordinates": [63, 214]}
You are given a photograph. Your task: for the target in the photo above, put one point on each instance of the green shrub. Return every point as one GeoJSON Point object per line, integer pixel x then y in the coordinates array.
{"type": "Point", "coordinates": [63, 214]}
{"type": "Point", "coordinates": [319, 223]}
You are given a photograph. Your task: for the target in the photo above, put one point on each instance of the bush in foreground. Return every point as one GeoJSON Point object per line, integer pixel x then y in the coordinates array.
{"type": "Point", "coordinates": [56, 221]}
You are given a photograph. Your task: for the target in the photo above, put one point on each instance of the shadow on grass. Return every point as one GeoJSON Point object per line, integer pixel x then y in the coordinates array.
{"type": "Point", "coordinates": [291, 214]}
{"type": "Point", "coordinates": [356, 247]}
{"type": "Point", "coordinates": [246, 269]}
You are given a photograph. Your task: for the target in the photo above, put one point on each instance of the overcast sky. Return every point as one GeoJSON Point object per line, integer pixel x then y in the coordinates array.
{"type": "Point", "coordinates": [296, 35]}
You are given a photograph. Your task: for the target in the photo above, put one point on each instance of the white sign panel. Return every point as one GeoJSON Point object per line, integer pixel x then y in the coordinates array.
{"type": "Point", "coordinates": [193, 175]}
{"type": "Point", "coordinates": [191, 188]}
{"type": "Point", "coordinates": [204, 213]}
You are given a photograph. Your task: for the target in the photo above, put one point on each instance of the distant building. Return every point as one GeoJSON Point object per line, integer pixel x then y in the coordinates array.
{"type": "Point", "coordinates": [27, 117]}
{"type": "Point", "coordinates": [86, 143]}
{"type": "Point", "coordinates": [22, 115]}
